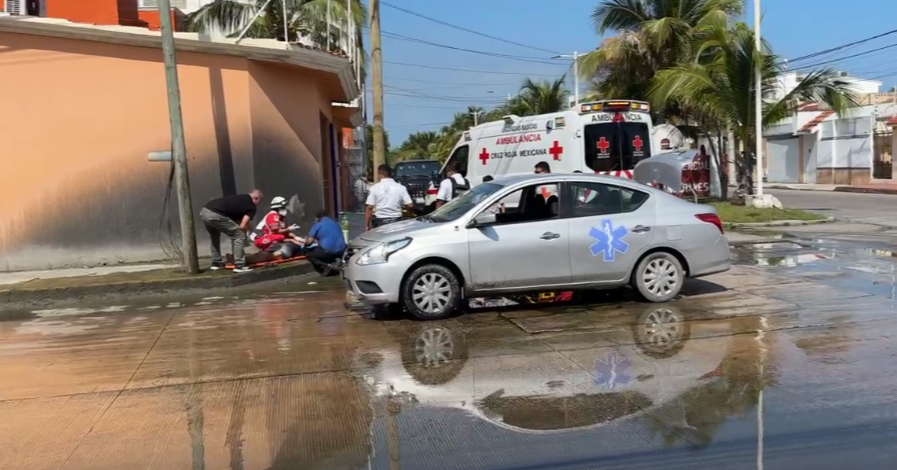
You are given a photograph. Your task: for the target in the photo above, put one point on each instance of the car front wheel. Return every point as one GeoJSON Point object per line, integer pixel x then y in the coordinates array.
{"type": "Point", "coordinates": [431, 292]}
{"type": "Point", "coordinates": [659, 277]}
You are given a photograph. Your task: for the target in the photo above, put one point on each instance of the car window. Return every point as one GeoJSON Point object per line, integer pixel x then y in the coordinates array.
{"type": "Point", "coordinates": [459, 156]}
{"type": "Point", "coordinates": [459, 206]}
{"type": "Point", "coordinates": [530, 204]}
{"type": "Point", "coordinates": [589, 199]}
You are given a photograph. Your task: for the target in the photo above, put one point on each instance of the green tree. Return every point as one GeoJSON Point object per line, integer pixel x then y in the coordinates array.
{"type": "Point", "coordinates": [718, 88]}
{"type": "Point", "coordinates": [418, 144]}
{"type": "Point", "coordinates": [540, 98]}
{"type": "Point", "coordinates": [651, 35]}
{"type": "Point", "coordinates": [305, 18]}
{"type": "Point", "coordinates": [369, 142]}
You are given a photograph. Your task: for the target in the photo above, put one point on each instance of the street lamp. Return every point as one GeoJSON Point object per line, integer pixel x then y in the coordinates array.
{"type": "Point", "coordinates": [575, 58]}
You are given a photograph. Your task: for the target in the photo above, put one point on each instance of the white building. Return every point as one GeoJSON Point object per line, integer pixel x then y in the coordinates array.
{"type": "Point", "coordinates": [818, 146]}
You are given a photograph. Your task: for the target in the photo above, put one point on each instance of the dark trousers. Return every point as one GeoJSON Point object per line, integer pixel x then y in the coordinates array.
{"type": "Point", "coordinates": [320, 258]}
{"type": "Point", "coordinates": [377, 222]}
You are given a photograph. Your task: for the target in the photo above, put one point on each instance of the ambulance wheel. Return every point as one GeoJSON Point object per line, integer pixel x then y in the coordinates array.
{"type": "Point", "coordinates": [658, 277]}
{"type": "Point", "coordinates": [431, 292]}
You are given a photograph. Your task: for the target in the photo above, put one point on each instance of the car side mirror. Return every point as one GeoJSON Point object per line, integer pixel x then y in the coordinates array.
{"type": "Point", "coordinates": [485, 219]}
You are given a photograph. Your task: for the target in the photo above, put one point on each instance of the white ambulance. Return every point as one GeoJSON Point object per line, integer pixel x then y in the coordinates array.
{"type": "Point", "coordinates": [607, 137]}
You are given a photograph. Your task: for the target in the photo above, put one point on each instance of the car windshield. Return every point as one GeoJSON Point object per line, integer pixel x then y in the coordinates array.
{"type": "Point", "coordinates": [463, 204]}
{"type": "Point", "coordinates": [406, 169]}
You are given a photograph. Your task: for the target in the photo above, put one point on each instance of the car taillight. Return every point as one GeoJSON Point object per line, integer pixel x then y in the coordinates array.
{"type": "Point", "coordinates": [711, 219]}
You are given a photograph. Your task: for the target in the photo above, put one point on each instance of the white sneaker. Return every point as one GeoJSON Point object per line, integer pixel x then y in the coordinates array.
{"type": "Point", "coordinates": [243, 269]}
{"type": "Point", "coordinates": [215, 267]}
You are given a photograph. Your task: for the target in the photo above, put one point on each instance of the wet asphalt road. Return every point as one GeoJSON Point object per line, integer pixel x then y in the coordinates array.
{"type": "Point", "coordinates": [785, 362]}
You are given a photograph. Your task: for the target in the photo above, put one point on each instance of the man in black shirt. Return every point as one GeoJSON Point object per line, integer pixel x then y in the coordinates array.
{"type": "Point", "coordinates": [230, 215]}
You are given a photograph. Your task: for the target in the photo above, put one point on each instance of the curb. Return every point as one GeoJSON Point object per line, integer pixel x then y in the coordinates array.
{"type": "Point", "coordinates": [792, 188]}
{"type": "Point", "coordinates": [758, 242]}
{"type": "Point", "coordinates": [778, 223]}
{"type": "Point", "coordinates": [851, 189]}
{"type": "Point", "coordinates": [217, 281]}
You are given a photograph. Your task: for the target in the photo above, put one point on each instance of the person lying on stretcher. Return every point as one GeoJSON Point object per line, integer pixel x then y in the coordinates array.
{"type": "Point", "coordinates": [274, 237]}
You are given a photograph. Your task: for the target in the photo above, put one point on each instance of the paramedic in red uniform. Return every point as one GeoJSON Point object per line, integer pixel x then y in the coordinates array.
{"type": "Point", "coordinates": [275, 236]}
{"type": "Point", "coordinates": [230, 215]}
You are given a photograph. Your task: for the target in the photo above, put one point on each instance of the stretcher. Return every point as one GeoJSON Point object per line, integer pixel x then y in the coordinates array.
{"type": "Point", "coordinates": [523, 299]}
{"type": "Point", "coordinates": [267, 261]}
{"type": "Point", "coordinates": [265, 264]}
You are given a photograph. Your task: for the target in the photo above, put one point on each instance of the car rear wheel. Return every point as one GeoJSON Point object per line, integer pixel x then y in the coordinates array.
{"type": "Point", "coordinates": [659, 277]}
{"type": "Point", "coordinates": [431, 292]}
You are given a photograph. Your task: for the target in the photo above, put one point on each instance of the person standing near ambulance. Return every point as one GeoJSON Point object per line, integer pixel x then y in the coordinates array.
{"type": "Point", "coordinates": [452, 186]}
{"type": "Point", "coordinates": [385, 201]}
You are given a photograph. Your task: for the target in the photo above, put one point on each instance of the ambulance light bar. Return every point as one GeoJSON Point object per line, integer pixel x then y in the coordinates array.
{"type": "Point", "coordinates": [611, 106]}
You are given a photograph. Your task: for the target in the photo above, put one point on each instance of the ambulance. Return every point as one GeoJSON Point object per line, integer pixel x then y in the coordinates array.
{"type": "Point", "coordinates": [607, 137]}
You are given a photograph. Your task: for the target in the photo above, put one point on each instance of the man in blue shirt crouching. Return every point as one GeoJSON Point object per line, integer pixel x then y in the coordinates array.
{"type": "Point", "coordinates": [331, 244]}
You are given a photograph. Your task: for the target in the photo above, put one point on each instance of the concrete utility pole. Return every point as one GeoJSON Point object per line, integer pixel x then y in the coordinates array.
{"type": "Point", "coordinates": [178, 147]}
{"type": "Point", "coordinates": [476, 115]}
{"type": "Point", "coordinates": [758, 104]}
{"type": "Point", "coordinates": [377, 72]}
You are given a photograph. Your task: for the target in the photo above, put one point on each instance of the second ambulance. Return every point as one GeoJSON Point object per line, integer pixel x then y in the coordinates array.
{"type": "Point", "coordinates": [607, 137]}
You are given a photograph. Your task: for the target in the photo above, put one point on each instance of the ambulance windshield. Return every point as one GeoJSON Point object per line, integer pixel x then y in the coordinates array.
{"type": "Point", "coordinates": [616, 146]}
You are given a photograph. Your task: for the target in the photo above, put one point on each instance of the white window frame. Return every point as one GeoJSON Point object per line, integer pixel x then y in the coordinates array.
{"type": "Point", "coordinates": [20, 7]}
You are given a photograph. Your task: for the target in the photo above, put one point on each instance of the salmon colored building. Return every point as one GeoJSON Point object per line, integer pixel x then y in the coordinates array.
{"type": "Point", "coordinates": [84, 105]}
{"type": "Point", "coordinates": [99, 12]}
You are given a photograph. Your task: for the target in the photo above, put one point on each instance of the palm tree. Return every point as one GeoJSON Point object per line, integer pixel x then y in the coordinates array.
{"type": "Point", "coordinates": [651, 35]}
{"type": "Point", "coordinates": [717, 88]}
{"type": "Point", "coordinates": [305, 19]}
{"type": "Point", "coordinates": [540, 98]}
{"type": "Point", "coordinates": [417, 145]}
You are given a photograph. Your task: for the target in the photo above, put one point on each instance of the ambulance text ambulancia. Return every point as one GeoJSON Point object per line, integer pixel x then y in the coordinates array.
{"type": "Point", "coordinates": [607, 137]}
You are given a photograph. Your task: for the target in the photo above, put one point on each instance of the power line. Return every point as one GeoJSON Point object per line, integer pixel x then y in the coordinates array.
{"type": "Point", "coordinates": [461, 28]}
{"type": "Point", "coordinates": [419, 125]}
{"type": "Point", "coordinates": [537, 60]}
{"type": "Point", "coordinates": [443, 83]}
{"type": "Point", "coordinates": [844, 46]}
{"type": "Point", "coordinates": [847, 57]}
{"type": "Point", "coordinates": [471, 70]}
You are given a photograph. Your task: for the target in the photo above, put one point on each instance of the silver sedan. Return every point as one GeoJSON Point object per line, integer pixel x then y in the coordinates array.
{"type": "Point", "coordinates": [538, 232]}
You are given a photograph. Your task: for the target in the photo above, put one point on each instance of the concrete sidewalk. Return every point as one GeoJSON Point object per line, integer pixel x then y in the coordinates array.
{"type": "Point", "coordinates": [878, 188]}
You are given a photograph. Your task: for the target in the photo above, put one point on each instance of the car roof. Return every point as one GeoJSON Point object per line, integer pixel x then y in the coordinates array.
{"type": "Point", "coordinates": [585, 177]}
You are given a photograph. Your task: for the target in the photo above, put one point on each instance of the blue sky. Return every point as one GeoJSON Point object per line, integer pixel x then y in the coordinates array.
{"type": "Point", "coordinates": [420, 98]}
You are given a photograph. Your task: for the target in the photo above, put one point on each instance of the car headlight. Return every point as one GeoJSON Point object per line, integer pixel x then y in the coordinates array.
{"type": "Point", "coordinates": [381, 253]}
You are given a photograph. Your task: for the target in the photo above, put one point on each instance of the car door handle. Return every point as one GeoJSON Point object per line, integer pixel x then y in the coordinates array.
{"type": "Point", "coordinates": [550, 236]}
{"type": "Point", "coordinates": [640, 229]}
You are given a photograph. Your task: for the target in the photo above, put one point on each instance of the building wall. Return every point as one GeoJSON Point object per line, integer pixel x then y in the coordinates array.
{"type": "Point", "coordinates": [76, 188]}
{"type": "Point", "coordinates": [92, 11]}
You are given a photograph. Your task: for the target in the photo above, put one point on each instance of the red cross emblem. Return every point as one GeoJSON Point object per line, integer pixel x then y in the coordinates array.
{"type": "Point", "coordinates": [637, 143]}
{"type": "Point", "coordinates": [484, 155]}
{"type": "Point", "coordinates": [556, 150]}
{"type": "Point", "coordinates": [603, 145]}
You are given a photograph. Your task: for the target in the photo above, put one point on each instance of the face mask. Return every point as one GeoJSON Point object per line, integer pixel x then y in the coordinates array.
{"type": "Point", "coordinates": [282, 212]}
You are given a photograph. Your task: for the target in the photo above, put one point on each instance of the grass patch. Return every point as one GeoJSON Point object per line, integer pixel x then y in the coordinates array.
{"type": "Point", "coordinates": [734, 214]}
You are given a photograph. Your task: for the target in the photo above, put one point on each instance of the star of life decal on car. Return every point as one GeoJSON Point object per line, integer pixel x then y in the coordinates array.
{"type": "Point", "coordinates": [608, 240]}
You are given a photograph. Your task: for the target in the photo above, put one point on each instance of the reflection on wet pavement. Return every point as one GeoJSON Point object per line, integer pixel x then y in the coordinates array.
{"type": "Point", "coordinates": [771, 366]}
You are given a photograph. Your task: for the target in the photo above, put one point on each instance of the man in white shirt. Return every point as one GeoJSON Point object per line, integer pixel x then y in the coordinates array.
{"type": "Point", "coordinates": [385, 200]}
{"type": "Point", "coordinates": [453, 184]}
{"type": "Point", "coordinates": [361, 191]}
